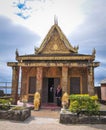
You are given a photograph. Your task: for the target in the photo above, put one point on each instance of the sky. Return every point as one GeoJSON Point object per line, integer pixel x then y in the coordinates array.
{"type": "Point", "coordinates": [25, 23]}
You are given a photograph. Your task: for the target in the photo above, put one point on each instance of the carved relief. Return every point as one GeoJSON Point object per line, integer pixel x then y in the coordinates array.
{"type": "Point", "coordinates": [32, 71]}
{"type": "Point", "coordinates": [55, 45]}
{"type": "Point", "coordinates": [74, 71]}
{"type": "Point", "coordinates": [52, 72]}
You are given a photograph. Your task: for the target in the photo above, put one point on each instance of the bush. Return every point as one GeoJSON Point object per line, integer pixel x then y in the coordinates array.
{"type": "Point", "coordinates": [5, 104]}
{"type": "Point", "coordinates": [84, 102]}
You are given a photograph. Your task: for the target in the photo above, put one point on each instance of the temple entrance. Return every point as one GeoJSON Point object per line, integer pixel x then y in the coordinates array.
{"type": "Point", "coordinates": [75, 85]}
{"type": "Point", "coordinates": [48, 89]}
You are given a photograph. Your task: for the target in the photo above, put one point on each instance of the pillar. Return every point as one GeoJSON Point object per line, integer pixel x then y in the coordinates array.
{"type": "Point", "coordinates": [64, 82]}
{"type": "Point", "coordinates": [23, 90]}
{"type": "Point", "coordinates": [15, 80]}
{"type": "Point", "coordinates": [39, 80]}
{"type": "Point", "coordinates": [91, 81]}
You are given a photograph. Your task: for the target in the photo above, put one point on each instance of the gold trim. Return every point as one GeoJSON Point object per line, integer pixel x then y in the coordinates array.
{"type": "Point", "coordinates": [38, 58]}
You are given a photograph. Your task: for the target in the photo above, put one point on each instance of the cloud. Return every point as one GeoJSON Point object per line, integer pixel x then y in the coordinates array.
{"type": "Point", "coordinates": [92, 34]}
{"type": "Point", "coordinates": [23, 10]}
{"type": "Point", "coordinates": [25, 7]}
{"type": "Point", "coordinates": [14, 36]}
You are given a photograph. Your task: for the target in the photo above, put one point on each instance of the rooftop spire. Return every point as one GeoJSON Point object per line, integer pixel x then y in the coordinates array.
{"type": "Point", "coordinates": [55, 20]}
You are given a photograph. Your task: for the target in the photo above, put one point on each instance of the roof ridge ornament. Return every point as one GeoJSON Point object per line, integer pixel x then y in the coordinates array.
{"type": "Point", "coordinates": [16, 53]}
{"type": "Point", "coordinates": [94, 52]}
{"type": "Point", "coordinates": [55, 19]}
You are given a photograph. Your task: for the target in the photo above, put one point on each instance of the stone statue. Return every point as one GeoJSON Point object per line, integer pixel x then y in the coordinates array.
{"type": "Point", "coordinates": [36, 101]}
{"type": "Point", "coordinates": [24, 100]}
{"type": "Point", "coordinates": [65, 100]}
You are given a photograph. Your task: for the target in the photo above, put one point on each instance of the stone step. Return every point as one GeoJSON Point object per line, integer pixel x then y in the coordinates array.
{"type": "Point", "coordinates": [50, 106]}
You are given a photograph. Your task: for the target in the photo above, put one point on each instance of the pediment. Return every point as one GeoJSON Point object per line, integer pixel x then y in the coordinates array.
{"type": "Point", "coordinates": [56, 43]}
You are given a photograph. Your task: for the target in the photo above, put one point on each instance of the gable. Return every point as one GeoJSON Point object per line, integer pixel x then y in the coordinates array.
{"type": "Point", "coordinates": [56, 43]}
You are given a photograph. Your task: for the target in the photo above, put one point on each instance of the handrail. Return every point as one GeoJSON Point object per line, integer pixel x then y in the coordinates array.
{"type": "Point", "coordinates": [7, 87]}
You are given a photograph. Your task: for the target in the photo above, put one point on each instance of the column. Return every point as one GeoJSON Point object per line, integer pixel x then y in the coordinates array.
{"type": "Point", "coordinates": [23, 90]}
{"type": "Point", "coordinates": [39, 81]}
{"type": "Point", "coordinates": [91, 81]}
{"type": "Point", "coordinates": [64, 82]}
{"type": "Point", "coordinates": [15, 80]}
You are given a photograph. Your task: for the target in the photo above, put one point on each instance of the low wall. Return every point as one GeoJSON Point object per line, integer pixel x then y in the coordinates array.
{"type": "Point", "coordinates": [17, 115]}
{"type": "Point", "coordinates": [74, 118]}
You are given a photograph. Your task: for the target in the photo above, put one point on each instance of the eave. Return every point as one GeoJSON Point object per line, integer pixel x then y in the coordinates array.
{"type": "Point", "coordinates": [46, 64]}
{"type": "Point", "coordinates": [46, 58]}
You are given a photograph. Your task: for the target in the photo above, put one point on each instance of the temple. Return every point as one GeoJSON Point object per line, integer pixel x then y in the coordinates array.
{"type": "Point", "coordinates": [55, 62]}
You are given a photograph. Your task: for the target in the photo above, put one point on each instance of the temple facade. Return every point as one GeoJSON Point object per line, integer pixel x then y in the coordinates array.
{"type": "Point", "coordinates": [55, 62]}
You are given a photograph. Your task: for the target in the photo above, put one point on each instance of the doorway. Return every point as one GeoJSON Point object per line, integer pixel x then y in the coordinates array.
{"type": "Point", "coordinates": [50, 90]}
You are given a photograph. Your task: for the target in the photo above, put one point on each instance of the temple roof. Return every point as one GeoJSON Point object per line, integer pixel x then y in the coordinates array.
{"type": "Point", "coordinates": [71, 56]}
{"type": "Point", "coordinates": [56, 42]}
{"type": "Point", "coordinates": [55, 48]}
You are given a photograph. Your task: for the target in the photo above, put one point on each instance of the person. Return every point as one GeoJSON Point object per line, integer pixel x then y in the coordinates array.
{"type": "Point", "coordinates": [58, 95]}
{"type": "Point", "coordinates": [51, 93]}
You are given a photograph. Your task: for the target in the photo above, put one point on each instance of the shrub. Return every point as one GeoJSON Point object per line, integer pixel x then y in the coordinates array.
{"type": "Point", "coordinates": [84, 102]}
{"type": "Point", "coordinates": [5, 103]}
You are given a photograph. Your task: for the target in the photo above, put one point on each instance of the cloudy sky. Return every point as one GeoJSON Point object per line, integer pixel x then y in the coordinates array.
{"type": "Point", "coordinates": [25, 23]}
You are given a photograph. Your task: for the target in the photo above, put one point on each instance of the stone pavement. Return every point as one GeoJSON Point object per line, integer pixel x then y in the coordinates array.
{"type": "Point", "coordinates": [46, 113]}
{"type": "Point", "coordinates": [44, 123]}
{"type": "Point", "coordinates": [47, 120]}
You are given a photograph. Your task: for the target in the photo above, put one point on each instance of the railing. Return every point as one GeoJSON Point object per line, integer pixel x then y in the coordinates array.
{"type": "Point", "coordinates": [7, 87]}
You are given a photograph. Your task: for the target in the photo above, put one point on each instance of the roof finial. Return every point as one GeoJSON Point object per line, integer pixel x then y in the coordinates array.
{"type": "Point", "coordinates": [55, 20]}
{"type": "Point", "coordinates": [94, 52]}
{"type": "Point", "coordinates": [16, 52]}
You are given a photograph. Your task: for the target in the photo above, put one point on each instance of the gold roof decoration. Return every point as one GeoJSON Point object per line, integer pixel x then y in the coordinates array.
{"type": "Point", "coordinates": [56, 42]}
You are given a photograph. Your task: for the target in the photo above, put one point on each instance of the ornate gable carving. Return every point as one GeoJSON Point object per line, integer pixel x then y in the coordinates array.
{"type": "Point", "coordinates": [55, 42]}
{"type": "Point", "coordinates": [55, 45]}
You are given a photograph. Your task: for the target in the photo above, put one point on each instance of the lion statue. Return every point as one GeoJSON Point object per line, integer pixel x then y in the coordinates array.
{"type": "Point", "coordinates": [65, 100]}
{"type": "Point", "coordinates": [36, 101]}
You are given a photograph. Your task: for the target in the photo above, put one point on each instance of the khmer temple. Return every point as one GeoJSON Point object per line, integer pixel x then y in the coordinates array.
{"type": "Point", "coordinates": [55, 62]}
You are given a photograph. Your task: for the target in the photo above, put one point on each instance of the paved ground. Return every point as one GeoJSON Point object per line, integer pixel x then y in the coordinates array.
{"type": "Point", "coordinates": [46, 114]}
{"type": "Point", "coordinates": [46, 120]}
{"type": "Point", "coordinates": [41, 123]}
